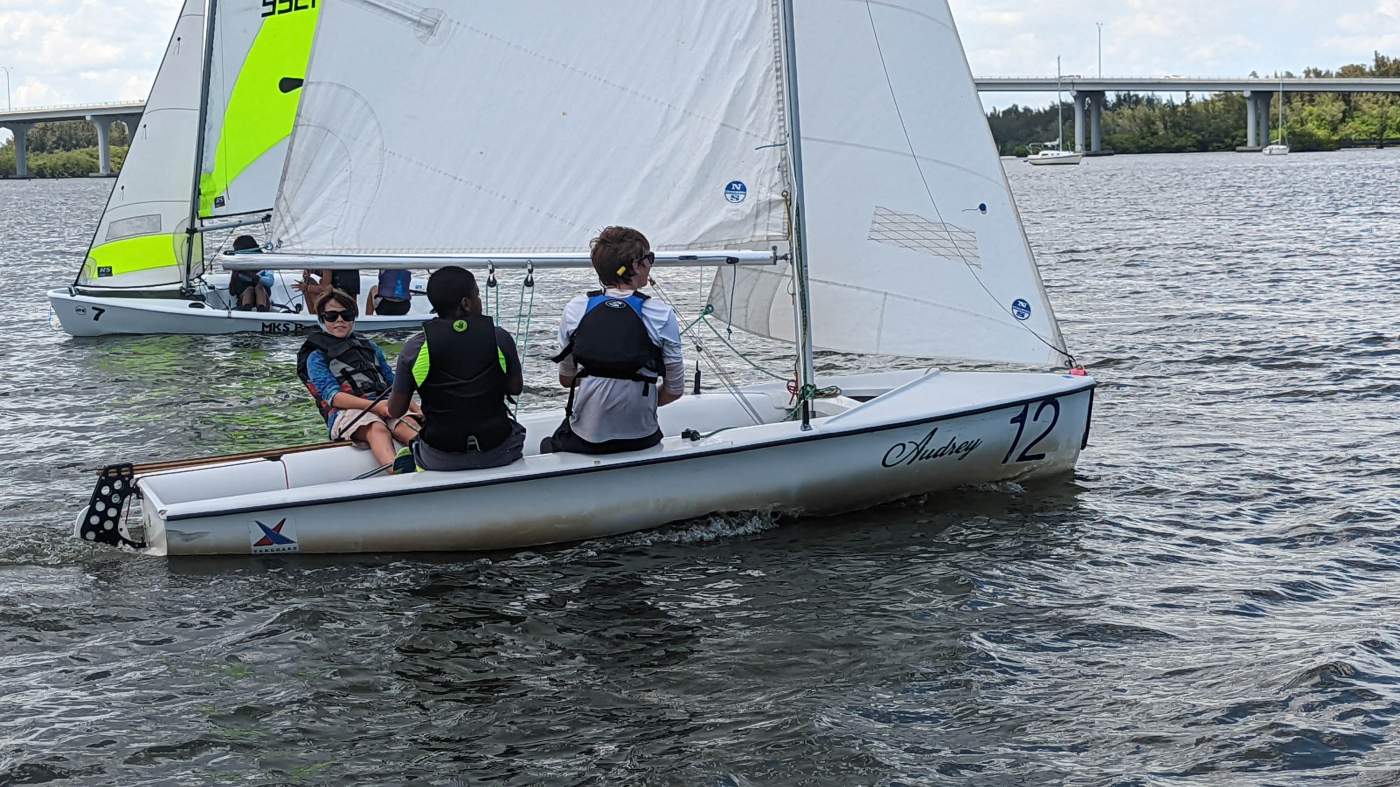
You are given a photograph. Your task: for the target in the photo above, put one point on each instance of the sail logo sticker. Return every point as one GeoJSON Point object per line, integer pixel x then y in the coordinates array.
{"type": "Point", "coordinates": [280, 537]}
{"type": "Point", "coordinates": [735, 191]}
{"type": "Point", "coordinates": [1021, 309]}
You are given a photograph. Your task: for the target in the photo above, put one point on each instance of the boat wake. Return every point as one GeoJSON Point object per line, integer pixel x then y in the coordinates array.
{"type": "Point", "coordinates": [700, 531]}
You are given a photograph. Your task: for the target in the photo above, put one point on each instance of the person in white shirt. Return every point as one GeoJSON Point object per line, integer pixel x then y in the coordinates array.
{"type": "Point", "coordinates": [621, 356]}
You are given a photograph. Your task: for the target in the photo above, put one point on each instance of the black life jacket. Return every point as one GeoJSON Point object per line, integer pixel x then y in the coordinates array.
{"type": "Point", "coordinates": [461, 377]}
{"type": "Point", "coordinates": [352, 360]}
{"type": "Point", "coordinates": [612, 341]}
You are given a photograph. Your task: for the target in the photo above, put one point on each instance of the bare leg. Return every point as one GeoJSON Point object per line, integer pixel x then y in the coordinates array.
{"type": "Point", "coordinates": [380, 443]}
{"type": "Point", "coordinates": [261, 297]}
{"type": "Point", "coordinates": [248, 297]}
{"type": "Point", "coordinates": [369, 302]}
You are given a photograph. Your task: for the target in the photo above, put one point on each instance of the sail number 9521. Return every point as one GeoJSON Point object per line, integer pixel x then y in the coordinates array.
{"type": "Point", "coordinates": [275, 7]}
{"type": "Point", "coordinates": [1020, 419]}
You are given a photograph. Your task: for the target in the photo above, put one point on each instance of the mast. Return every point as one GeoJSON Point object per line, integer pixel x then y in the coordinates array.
{"type": "Point", "coordinates": [806, 375]}
{"type": "Point", "coordinates": [193, 229]}
{"type": "Point", "coordinates": [1059, 110]}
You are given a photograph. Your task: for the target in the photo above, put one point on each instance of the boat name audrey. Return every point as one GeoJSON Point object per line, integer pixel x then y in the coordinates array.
{"type": "Point", "coordinates": [910, 452]}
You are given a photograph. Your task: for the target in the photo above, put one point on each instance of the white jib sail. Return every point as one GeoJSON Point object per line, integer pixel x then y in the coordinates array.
{"type": "Point", "coordinates": [141, 240]}
{"type": "Point", "coordinates": [921, 258]}
{"type": "Point", "coordinates": [255, 77]}
{"type": "Point", "coordinates": [528, 126]}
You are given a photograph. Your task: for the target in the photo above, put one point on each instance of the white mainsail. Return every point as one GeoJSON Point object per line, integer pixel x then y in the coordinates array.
{"type": "Point", "coordinates": [258, 63]}
{"type": "Point", "coordinates": [923, 258]}
{"type": "Point", "coordinates": [141, 240]}
{"type": "Point", "coordinates": [528, 126]}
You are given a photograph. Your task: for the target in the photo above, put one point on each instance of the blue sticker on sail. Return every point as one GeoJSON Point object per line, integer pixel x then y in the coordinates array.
{"type": "Point", "coordinates": [735, 191]}
{"type": "Point", "coordinates": [1021, 309]}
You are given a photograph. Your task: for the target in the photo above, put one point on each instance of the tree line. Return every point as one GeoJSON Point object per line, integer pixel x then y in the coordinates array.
{"type": "Point", "coordinates": [1134, 123]}
{"type": "Point", "coordinates": [66, 149]}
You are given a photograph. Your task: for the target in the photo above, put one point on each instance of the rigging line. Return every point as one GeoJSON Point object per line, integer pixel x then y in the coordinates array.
{"type": "Point", "coordinates": [726, 382]}
{"type": "Point", "coordinates": [879, 49]}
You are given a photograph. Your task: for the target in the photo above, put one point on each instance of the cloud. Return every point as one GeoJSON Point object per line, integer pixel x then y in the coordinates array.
{"type": "Point", "coordinates": [80, 51]}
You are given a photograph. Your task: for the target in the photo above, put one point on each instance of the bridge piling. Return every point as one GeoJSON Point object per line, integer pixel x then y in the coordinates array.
{"type": "Point", "coordinates": [1096, 104]}
{"type": "Point", "coordinates": [104, 148]}
{"type": "Point", "coordinates": [1078, 99]}
{"type": "Point", "coordinates": [21, 132]}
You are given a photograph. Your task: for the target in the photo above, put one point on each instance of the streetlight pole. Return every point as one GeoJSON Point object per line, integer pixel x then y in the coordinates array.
{"type": "Point", "coordinates": [1100, 24]}
{"type": "Point", "coordinates": [6, 69]}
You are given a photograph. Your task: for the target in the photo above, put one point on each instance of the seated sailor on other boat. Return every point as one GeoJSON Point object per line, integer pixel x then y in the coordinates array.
{"type": "Point", "coordinates": [622, 355]}
{"type": "Point", "coordinates": [349, 378]}
{"type": "Point", "coordinates": [317, 284]}
{"type": "Point", "coordinates": [463, 367]}
{"type": "Point", "coordinates": [392, 295]}
{"type": "Point", "coordinates": [250, 289]}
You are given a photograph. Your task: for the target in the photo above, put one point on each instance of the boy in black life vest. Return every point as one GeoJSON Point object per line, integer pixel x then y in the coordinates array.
{"type": "Point", "coordinates": [347, 375]}
{"type": "Point", "coordinates": [463, 367]}
{"type": "Point", "coordinates": [622, 354]}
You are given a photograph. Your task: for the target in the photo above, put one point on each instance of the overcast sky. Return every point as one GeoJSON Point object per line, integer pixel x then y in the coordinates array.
{"type": "Point", "coordinates": [72, 51]}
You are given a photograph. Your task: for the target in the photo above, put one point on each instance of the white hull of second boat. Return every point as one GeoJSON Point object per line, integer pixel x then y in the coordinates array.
{"type": "Point", "coordinates": [1276, 150]}
{"type": "Point", "coordinates": [919, 433]}
{"type": "Point", "coordinates": [1048, 158]}
{"type": "Point", "coordinates": [101, 315]}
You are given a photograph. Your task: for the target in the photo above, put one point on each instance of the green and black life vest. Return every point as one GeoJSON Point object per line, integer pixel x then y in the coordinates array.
{"type": "Point", "coordinates": [461, 378]}
{"type": "Point", "coordinates": [352, 360]}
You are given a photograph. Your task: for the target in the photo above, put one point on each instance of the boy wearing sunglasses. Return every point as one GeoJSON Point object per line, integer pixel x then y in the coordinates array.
{"type": "Point", "coordinates": [622, 354]}
{"type": "Point", "coordinates": [349, 377]}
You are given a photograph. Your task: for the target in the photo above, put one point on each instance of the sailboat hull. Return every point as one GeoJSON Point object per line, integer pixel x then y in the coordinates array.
{"type": "Point", "coordinates": [82, 314]}
{"type": "Point", "coordinates": [919, 433]}
{"type": "Point", "coordinates": [1057, 159]}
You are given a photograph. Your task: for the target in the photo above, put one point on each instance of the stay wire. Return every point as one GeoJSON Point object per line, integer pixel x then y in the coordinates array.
{"type": "Point", "coordinates": [870, 13]}
{"type": "Point", "coordinates": [726, 381]}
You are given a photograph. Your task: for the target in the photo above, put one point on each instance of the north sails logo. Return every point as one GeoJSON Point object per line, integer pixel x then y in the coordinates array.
{"type": "Point", "coordinates": [278, 538]}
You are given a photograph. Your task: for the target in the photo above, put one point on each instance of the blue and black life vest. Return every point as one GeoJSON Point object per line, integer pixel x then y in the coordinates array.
{"type": "Point", "coordinates": [612, 340]}
{"type": "Point", "coordinates": [352, 360]}
{"type": "Point", "coordinates": [461, 377]}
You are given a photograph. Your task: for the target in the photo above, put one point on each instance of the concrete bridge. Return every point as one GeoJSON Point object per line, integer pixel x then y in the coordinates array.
{"type": "Point", "coordinates": [102, 116]}
{"type": "Point", "coordinates": [1089, 96]}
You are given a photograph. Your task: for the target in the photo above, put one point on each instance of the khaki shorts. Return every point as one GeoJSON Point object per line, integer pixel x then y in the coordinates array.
{"type": "Point", "coordinates": [354, 420]}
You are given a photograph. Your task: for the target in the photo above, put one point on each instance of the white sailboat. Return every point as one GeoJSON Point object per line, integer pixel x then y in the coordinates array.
{"type": "Point", "coordinates": [207, 155]}
{"type": "Point", "coordinates": [847, 206]}
{"type": "Point", "coordinates": [1279, 148]}
{"type": "Point", "coordinates": [1057, 155]}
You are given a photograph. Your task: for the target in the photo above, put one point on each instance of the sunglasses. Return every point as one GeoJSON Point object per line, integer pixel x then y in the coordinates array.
{"type": "Point", "coordinates": [648, 259]}
{"type": "Point", "coordinates": [329, 316]}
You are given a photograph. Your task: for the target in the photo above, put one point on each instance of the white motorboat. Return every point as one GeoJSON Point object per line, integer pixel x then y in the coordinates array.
{"type": "Point", "coordinates": [1276, 150]}
{"type": "Point", "coordinates": [206, 157]}
{"type": "Point", "coordinates": [1054, 153]}
{"type": "Point", "coordinates": [721, 151]}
